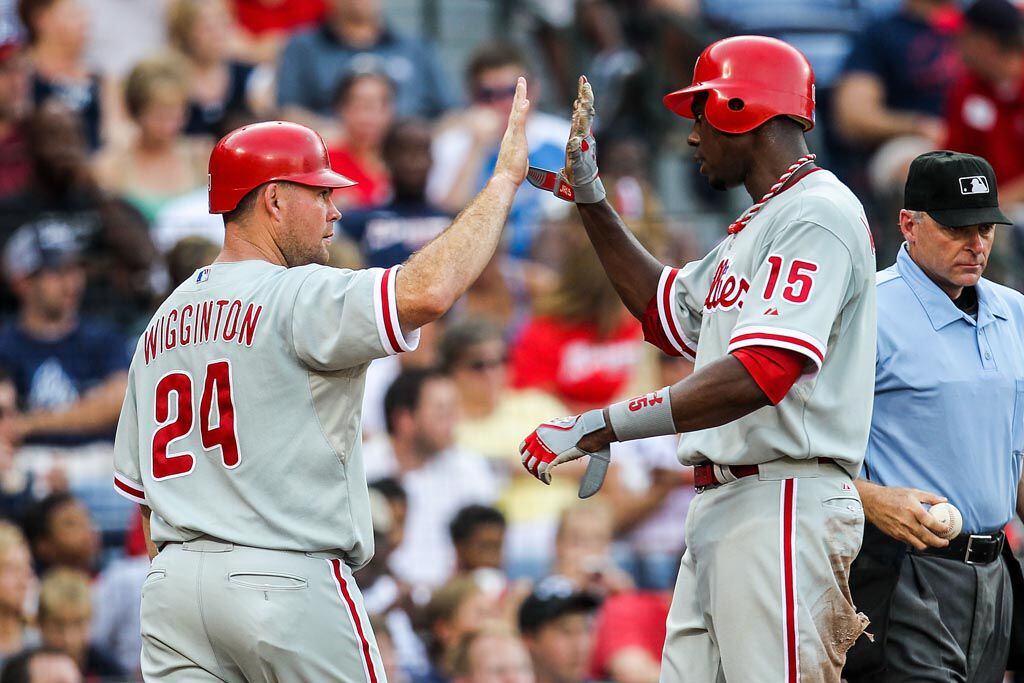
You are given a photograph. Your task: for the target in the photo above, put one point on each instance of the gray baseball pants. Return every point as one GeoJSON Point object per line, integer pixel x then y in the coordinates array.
{"type": "Point", "coordinates": [213, 611]}
{"type": "Point", "coordinates": [763, 592]}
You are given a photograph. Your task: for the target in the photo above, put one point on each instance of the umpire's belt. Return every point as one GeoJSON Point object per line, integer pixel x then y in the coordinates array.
{"type": "Point", "coordinates": [710, 475]}
{"type": "Point", "coordinates": [970, 548]}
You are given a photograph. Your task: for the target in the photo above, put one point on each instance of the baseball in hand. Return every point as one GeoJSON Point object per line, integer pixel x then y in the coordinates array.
{"type": "Point", "coordinates": [949, 517]}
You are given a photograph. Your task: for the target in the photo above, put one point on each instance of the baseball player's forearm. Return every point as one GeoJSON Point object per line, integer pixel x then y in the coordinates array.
{"type": "Point", "coordinates": [634, 272]}
{"type": "Point", "coordinates": [436, 276]}
{"type": "Point", "coordinates": [715, 395]}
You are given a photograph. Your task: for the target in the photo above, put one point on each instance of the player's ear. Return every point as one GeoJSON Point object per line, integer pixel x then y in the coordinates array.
{"type": "Point", "coordinates": [908, 225]}
{"type": "Point", "coordinates": [272, 199]}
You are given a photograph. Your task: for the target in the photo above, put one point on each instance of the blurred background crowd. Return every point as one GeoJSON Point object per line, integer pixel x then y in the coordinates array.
{"type": "Point", "coordinates": [108, 111]}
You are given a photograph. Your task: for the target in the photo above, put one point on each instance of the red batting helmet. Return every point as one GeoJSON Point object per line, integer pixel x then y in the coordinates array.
{"type": "Point", "coordinates": [263, 152]}
{"type": "Point", "coordinates": [749, 80]}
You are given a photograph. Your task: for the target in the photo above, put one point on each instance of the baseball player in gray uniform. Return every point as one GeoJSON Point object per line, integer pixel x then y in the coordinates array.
{"type": "Point", "coordinates": [240, 430]}
{"type": "Point", "coordinates": [780, 321]}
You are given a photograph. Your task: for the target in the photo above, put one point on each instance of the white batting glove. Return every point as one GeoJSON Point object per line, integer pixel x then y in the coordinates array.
{"type": "Point", "coordinates": [578, 181]}
{"type": "Point", "coordinates": [555, 442]}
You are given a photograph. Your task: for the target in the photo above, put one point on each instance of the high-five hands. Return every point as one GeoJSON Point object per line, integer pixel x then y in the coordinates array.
{"type": "Point", "coordinates": [578, 181]}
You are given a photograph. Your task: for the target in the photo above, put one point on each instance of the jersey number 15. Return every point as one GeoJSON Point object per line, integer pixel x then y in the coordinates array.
{"type": "Point", "coordinates": [216, 420]}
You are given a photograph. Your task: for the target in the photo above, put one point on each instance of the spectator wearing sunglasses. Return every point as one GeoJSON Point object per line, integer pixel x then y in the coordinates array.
{"type": "Point", "coordinates": [466, 149]}
{"type": "Point", "coordinates": [474, 354]}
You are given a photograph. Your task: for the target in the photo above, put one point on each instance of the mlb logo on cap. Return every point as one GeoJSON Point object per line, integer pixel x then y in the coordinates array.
{"type": "Point", "coordinates": [930, 184]}
{"type": "Point", "coordinates": [974, 184]}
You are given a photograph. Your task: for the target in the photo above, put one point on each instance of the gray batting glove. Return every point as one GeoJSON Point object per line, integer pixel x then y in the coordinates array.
{"type": "Point", "coordinates": [554, 443]}
{"type": "Point", "coordinates": [578, 181]}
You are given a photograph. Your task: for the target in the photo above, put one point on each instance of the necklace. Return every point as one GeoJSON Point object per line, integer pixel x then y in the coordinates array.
{"type": "Point", "coordinates": [749, 214]}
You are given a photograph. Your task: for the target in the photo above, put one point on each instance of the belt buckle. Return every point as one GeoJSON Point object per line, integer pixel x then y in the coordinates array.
{"type": "Point", "coordinates": [970, 546]}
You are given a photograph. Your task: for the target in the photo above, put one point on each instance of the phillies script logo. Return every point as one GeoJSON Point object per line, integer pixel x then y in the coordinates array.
{"type": "Point", "coordinates": [727, 289]}
{"type": "Point", "coordinates": [645, 402]}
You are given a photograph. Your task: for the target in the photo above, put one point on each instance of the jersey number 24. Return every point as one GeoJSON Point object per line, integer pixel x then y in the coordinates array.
{"type": "Point", "coordinates": [216, 420]}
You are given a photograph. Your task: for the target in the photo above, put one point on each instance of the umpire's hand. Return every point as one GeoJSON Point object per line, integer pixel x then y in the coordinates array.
{"type": "Point", "coordinates": [899, 513]}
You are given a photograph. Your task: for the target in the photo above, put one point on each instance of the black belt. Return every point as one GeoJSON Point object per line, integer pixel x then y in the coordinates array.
{"type": "Point", "coordinates": [970, 548]}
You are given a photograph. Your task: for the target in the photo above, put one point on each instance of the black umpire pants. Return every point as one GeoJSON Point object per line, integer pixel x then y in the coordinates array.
{"type": "Point", "coordinates": [942, 620]}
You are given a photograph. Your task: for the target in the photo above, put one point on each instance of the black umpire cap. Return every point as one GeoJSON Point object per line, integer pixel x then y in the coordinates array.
{"type": "Point", "coordinates": [955, 189]}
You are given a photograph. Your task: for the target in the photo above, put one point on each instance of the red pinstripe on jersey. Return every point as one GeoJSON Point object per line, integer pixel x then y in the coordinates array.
{"type": "Point", "coordinates": [790, 632]}
{"type": "Point", "coordinates": [354, 618]}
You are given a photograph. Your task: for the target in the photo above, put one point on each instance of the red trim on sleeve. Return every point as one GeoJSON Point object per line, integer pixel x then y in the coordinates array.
{"type": "Point", "coordinates": [654, 333]}
{"type": "Point", "coordinates": [666, 299]}
{"type": "Point", "coordinates": [781, 338]}
{"type": "Point", "coordinates": [385, 309]}
{"type": "Point", "coordinates": [130, 490]}
{"type": "Point", "coordinates": [775, 370]}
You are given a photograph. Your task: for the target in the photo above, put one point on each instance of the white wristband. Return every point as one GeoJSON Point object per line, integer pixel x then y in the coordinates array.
{"type": "Point", "coordinates": [644, 416]}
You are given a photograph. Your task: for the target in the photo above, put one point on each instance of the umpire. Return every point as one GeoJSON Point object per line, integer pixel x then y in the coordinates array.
{"type": "Point", "coordinates": [948, 424]}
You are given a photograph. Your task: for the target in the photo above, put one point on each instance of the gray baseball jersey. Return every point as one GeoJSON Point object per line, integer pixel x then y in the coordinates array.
{"type": "Point", "coordinates": [242, 415]}
{"type": "Point", "coordinates": [799, 276]}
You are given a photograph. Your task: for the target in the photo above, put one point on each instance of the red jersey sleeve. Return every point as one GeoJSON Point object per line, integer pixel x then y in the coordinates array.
{"type": "Point", "coordinates": [775, 370]}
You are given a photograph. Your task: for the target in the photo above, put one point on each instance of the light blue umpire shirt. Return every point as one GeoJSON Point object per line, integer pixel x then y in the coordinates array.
{"type": "Point", "coordinates": [949, 394]}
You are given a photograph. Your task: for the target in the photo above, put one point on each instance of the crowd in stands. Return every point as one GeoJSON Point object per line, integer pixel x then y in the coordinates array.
{"type": "Point", "coordinates": [108, 112]}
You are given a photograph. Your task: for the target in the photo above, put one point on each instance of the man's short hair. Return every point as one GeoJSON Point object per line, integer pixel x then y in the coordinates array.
{"type": "Point", "coordinates": [404, 393]}
{"type": "Point", "coordinates": [493, 55]}
{"type": "Point", "coordinates": [245, 205]}
{"type": "Point", "coordinates": [470, 518]}
{"type": "Point", "coordinates": [462, 335]}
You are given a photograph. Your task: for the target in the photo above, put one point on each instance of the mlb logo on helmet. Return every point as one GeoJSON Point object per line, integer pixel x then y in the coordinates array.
{"type": "Point", "coordinates": [974, 184]}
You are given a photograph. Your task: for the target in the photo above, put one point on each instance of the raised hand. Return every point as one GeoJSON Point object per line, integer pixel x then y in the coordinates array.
{"type": "Point", "coordinates": [512, 155]}
{"type": "Point", "coordinates": [578, 180]}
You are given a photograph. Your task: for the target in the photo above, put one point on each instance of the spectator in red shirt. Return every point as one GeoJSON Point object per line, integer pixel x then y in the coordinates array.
{"type": "Point", "coordinates": [582, 346]}
{"type": "Point", "coordinates": [365, 106]}
{"type": "Point", "coordinates": [265, 25]}
{"type": "Point", "coordinates": [985, 115]}
{"type": "Point", "coordinates": [629, 635]}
